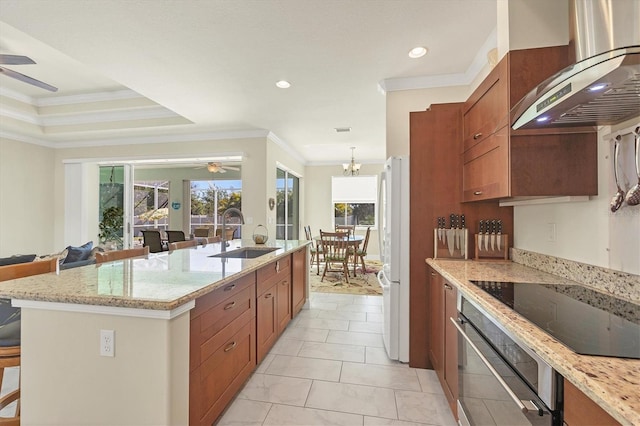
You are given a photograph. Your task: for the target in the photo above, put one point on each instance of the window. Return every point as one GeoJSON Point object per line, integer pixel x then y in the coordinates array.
{"type": "Point", "coordinates": [287, 206]}
{"type": "Point", "coordinates": [210, 198]}
{"type": "Point", "coordinates": [354, 200]}
{"type": "Point", "coordinates": [150, 207]}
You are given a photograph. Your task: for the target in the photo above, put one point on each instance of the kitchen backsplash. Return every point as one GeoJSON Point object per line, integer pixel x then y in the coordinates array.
{"type": "Point", "coordinates": [618, 283]}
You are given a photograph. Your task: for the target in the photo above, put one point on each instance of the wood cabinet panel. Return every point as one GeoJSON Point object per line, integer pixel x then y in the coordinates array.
{"type": "Point", "coordinates": [267, 321]}
{"type": "Point", "coordinates": [436, 165]}
{"type": "Point", "coordinates": [436, 315]}
{"type": "Point", "coordinates": [214, 384]}
{"type": "Point", "coordinates": [273, 273]}
{"type": "Point", "coordinates": [579, 409]}
{"type": "Point", "coordinates": [218, 295]}
{"type": "Point", "coordinates": [523, 164]}
{"type": "Point", "coordinates": [298, 280]}
{"type": "Point", "coordinates": [450, 347]}
{"type": "Point", "coordinates": [486, 168]}
{"type": "Point", "coordinates": [284, 304]}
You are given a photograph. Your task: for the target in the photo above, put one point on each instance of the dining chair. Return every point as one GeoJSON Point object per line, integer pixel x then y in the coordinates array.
{"type": "Point", "coordinates": [109, 256]}
{"type": "Point", "coordinates": [175, 236]}
{"type": "Point", "coordinates": [201, 232]}
{"type": "Point", "coordinates": [361, 253]}
{"type": "Point", "coordinates": [10, 344]}
{"type": "Point", "coordinates": [182, 244]}
{"type": "Point", "coordinates": [315, 250]}
{"type": "Point", "coordinates": [351, 229]}
{"type": "Point", "coordinates": [210, 240]}
{"type": "Point", "coordinates": [336, 253]}
{"type": "Point", "coordinates": [151, 239]}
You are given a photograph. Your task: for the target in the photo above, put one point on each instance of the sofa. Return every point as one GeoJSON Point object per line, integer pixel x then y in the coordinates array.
{"type": "Point", "coordinates": [70, 257]}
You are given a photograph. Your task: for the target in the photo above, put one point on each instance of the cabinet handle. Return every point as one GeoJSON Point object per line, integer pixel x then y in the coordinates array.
{"type": "Point", "coordinates": [229, 306]}
{"type": "Point", "coordinates": [268, 296]}
{"type": "Point", "coordinates": [284, 283]}
{"type": "Point", "coordinates": [230, 346]}
{"type": "Point", "coordinates": [477, 193]}
{"type": "Point", "coordinates": [447, 287]}
{"type": "Point", "coordinates": [231, 287]}
{"type": "Point", "coordinates": [277, 266]}
{"type": "Point", "coordinates": [433, 274]}
{"type": "Point", "coordinates": [477, 135]}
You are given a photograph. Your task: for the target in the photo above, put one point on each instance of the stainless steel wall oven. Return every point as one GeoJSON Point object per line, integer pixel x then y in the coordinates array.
{"type": "Point", "coordinates": [501, 380]}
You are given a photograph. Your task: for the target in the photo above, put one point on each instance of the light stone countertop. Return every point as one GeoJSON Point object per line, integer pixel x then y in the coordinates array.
{"type": "Point", "coordinates": [613, 383]}
{"type": "Point", "coordinates": [159, 281]}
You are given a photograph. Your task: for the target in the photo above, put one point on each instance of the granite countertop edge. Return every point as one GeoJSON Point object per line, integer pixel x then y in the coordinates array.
{"type": "Point", "coordinates": [612, 383]}
{"type": "Point", "coordinates": [47, 293]}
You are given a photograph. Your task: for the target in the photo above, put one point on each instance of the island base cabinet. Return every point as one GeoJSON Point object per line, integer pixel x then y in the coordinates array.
{"type": "Point", "coordinates": [214, 384]}
{"type": "Point", "coordinates": [267, 328]}
{"type": "Point", "coordinates": [284, 305]}
{"type": "Point", "coordinates": [298, 281]}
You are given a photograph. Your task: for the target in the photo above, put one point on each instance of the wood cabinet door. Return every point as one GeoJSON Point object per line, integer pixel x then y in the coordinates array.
{"type": "Point", "coordinates": [267, 324]}
{"type": "Point", "coordinates": [298, 281]}
{"type": "Point", "coordinates": [283, 309]}
{"type": "Point", "coordinates": [436, 328]}
{"type": "Point", "coordinates": [451, 346]}
{"type": "Point", "coordinates": [486, 169]}
{"type": "Point", "coordinates": [579, 409]}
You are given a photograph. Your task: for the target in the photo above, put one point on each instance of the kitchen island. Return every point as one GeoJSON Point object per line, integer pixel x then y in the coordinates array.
{"type": "Point", "coordinates": [149, 303]}
{"type": "Point", "coordinates": [612, 383]}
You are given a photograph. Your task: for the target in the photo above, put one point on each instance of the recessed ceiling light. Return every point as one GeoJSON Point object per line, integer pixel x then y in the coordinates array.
{"type": "Point", "coordinates": [283, 84]}
{"type": "Point", "coordinates": [418, 52]}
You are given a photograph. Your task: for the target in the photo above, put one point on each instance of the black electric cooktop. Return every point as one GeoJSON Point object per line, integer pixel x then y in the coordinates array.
{"type": "Point", "coordinates": [588, 322]}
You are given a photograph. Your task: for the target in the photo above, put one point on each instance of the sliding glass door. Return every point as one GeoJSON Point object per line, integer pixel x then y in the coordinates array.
{"type": "Point", "coordinates": [288, 205]}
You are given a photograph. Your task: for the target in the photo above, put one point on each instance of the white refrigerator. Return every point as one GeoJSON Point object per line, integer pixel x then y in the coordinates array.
{"type": "Point", "coordinates": [394, 249]}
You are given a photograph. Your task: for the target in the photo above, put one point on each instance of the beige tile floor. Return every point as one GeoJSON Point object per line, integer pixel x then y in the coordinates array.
{"type": "Point", "coordinates": [330, 368]}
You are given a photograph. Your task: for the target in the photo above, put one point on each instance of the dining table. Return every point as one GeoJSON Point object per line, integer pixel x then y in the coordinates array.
{"type": "Point", "coordinates": [354, 242]}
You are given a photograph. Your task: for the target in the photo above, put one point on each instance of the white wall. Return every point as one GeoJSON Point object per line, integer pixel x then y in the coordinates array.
{"type": "Point", "coordinates": [318, 205]}
{"type": "Point", "coordinates": [589, 232]}
{"type": "Point", "coordinates": [27, 196]}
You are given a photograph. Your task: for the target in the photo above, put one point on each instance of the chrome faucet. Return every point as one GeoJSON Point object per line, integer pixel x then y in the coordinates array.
{"type": "Point", "coordinates": [224, 244]}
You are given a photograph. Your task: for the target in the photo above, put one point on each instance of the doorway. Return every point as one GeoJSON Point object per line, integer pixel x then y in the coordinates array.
{"type": "Point", "coordinates": [288, 205]}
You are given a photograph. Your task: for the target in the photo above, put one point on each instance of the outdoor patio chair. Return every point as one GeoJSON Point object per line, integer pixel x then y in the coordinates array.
{"type": "Point", "coordinates": [152, 240]}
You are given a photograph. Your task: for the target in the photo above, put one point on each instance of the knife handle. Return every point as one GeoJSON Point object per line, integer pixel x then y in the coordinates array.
{"type": "Point", "coordinates": [452, 221]}
{"type": "Point", "coordinates": [499, 227]}
{"type": "Point", "coordinates": [481, 227]}
{"type": "Point", "coordinates": [462, 222]}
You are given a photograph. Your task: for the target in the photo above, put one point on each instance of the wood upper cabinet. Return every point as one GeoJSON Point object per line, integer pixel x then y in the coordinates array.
{"type": "Point", "coordinates": [298, 280]}
{"type": "Point", "coordinates": [502, 163]}
{"type": "Point", "coordinates": [579, 409]}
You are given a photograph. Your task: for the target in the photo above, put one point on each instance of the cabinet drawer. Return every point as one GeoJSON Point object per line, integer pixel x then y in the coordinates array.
{"type": "Point", "coordinates": [214, 384]}
{"type": "Point", "coordinates": [487, 109]}
{"type": "Point", "coordinates": [211, 329]}
{"type": "Point", "coordinates": [273, 273]}
{"type": "Point", "coordinates": [219, 295]}
{"type": "Point", "coordinates": [485, 174]}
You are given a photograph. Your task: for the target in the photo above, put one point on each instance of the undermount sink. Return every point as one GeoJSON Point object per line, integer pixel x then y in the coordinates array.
{"type": "Point", "coordinates": [246, 253]}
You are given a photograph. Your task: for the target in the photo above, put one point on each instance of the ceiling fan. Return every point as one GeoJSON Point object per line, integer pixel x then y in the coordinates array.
{"type": "Point", "coordinates": [215, 167]}
{"type": "Point", "coordinates": [22, 60]}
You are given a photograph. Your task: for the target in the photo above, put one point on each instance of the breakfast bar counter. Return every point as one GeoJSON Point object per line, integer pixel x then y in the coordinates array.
{"type": "Point", "coordinates": [613, 383]}
{"type": "Point", "coordinates": [148, 303]}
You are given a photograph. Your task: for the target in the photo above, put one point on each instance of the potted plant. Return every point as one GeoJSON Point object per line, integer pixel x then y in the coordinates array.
{"type": "Point", "coordinates": [111, 226]}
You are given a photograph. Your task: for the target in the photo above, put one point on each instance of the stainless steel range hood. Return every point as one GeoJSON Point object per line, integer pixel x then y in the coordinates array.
{"type": "Point", "coordinates": [603, 89]}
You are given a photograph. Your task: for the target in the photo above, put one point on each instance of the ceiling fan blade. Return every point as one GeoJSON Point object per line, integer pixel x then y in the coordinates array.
{"type": "Point", "coordinates": [231, 168]}
{"type": "Point", "coordinates": [15, 60]}
{"type": "Point", "coordinates": [27, 79]}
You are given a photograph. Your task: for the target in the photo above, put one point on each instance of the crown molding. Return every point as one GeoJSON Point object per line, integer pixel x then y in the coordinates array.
{"type": "Point", "coordinates": [70, 99]}
{"type": "Point", "coordinates": [130, 114]}
{"type": "Point", "coordinates": [26, 139]}
{"type": "Point", "coordinates": [286, 147]}
{"type": "Point", "coordinates": [443, 80]}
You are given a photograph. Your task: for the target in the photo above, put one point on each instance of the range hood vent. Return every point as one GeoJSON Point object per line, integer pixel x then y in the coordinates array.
{"type": "Point", "coordinates": [601, 90]}
{"type": "Point", "coordinates": [603, 86]}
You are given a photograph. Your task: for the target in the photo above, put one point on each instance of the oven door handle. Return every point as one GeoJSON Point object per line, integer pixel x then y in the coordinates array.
{"type": "Point", "coordinates": [524, 405]}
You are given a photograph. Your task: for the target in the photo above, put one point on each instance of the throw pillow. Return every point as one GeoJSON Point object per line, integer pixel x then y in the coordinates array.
{"type": "Point", "coordinates": [19, 258]}
{"type": "Point", "coordinates": [77, 254]}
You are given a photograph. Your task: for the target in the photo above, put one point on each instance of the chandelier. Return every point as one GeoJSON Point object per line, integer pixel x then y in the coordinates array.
{"type": "Point", "coordinates": [352, 168]}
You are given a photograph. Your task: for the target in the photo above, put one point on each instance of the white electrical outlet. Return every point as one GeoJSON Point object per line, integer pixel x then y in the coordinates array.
{"type": "Point", "coordinates": [107, 343]}
{"type": "Point", "coordinates": [551, 232]}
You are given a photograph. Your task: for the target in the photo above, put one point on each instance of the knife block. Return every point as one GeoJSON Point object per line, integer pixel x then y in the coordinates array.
{"type": "Point", "coordinates": [441, 247]}
{"type": "Point", "coordinates": [495, 254]}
